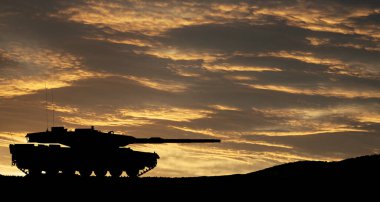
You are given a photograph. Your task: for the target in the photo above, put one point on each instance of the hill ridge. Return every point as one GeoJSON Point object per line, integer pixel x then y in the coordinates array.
{"type": "Point", "coordinates": [354, 173]}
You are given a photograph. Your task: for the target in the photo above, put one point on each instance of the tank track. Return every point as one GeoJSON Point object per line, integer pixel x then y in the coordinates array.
{"type": "Point", "coordinates": [146, 170]}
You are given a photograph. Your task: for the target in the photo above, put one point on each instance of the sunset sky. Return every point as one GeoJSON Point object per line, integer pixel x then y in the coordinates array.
{"type": "Point", "coordinates": [277, 81]}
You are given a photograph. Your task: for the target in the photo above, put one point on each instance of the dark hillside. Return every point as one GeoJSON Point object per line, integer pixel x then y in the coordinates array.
{"type": "Point", "coordinates": [311, 177]}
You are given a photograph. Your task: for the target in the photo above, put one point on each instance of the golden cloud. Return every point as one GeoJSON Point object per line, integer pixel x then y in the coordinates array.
{"type": "Point", "coordinates": [60, 108]}
{"type": "Point", "coordinates": [40, 68]}
{"type": "Point", "coordinates": [317, 113]}
{"type": "Point", "coordinates": [263, 143]}
{"type": "Point", "coordinates": [224, 107]}
{"type": "Point", "coordinates": [240, 77]}
{"type": "Point", "coordinates": [325, 41]}
{"type": "Point", "coordinates": [232, 161]}
{"type": "Point", "coordinates": [103, 120]}
{"type": "Point", "coordinates": [306, 121]}
{"type": "Point", "coordinates": [307, 57]}
{"type": "Point", "coordinates": [166, 113]}
{"type": "Point", "coordinates": [201, 160]}
{"type": "Point", "coordinates": [234, 137]}
{"type": "Point", "coordinates": [318, 41]}
{"type": "Point", "coordinates": [336, 66]}
{"type": "Point", "coordinates": [135, 42]}
{"type": "Point", "coordinates": [154, 18]}
{"type": "Point", "coordinates": [11, 138]}
{"type": "Point", "coordinates": [151, 19]}
{"type": "Point", "coordinates": [318, 19]}
{"type": "Point", "coordinates": [179, 54]}
{"type": "Point", "coordinates": [324, 128]}
{"type": "Point", "coordinates": [237, 68]}
{"type": "Point", "coordinates": [208, 132]}
{"type": "Point", "coordinates": [323, 91]}
{"type": "Point", "coordinates": [286, 157]}
{"type": "Point", "coordinates": [162, 85]}
{"type": "Point", "coordinates": [130, 116]}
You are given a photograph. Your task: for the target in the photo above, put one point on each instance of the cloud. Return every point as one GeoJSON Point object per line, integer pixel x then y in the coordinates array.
{"type": "Point", "coordinates": [338, 145]}
{"type": "Point", "coordinates": [233, 68]}
{"type": "Point", "coordinates": [237, 37]}
{"type": "Point", "coordinates": [166, 113]}
{"type": "Point", "coordinates": [159, 85]}
{"type": "Point", "coordinates": [31, 66]}
{"type": "Point", "coordinates": [102, 120]}
{"type": "Point", "coordinates": [320, 91]}
{"type": "Point", "coordinates": [372, 19]}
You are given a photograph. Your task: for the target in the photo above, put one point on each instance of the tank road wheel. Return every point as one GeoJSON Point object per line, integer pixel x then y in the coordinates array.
{"type": "Point", "coordinates": [85, 172]}
{"type": "Point", "coordinates": [133, 173]}
{"type": "Point", "coordinates": [34, 172]}
{"type": "Point", "coordinates": [100, 172]}
{"type": "Point", "coordinates": [116, 172]}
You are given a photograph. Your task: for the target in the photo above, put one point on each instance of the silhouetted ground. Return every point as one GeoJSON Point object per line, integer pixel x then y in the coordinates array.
{"type": "Point", "coordinates": [355, 176]}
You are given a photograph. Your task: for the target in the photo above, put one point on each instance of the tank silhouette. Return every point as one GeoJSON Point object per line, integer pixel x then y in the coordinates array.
{"type": "Point", "coordinates": [86, 150]}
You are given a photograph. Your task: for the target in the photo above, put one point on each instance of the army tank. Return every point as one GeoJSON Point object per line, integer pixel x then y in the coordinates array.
{"type": "Point", "coordinates": [86, 150]}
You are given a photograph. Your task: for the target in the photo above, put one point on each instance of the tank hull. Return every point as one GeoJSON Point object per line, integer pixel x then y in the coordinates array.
{"type": "Point", "coordinates": [54, 159]}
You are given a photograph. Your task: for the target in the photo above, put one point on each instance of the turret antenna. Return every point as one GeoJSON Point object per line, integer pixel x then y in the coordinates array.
{"type": "Point", "coordinates": [52, 104]}
{"type": "Point", "coordinates": [46, 108]}
{"type": "Point", "coordinates": [52, 100]}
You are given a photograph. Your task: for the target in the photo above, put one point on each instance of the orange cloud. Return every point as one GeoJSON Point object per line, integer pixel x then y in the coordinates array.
{"type": "Point", "coordinates": [224, 107]}
{"type": "Point", "coordinates": [135, 42]}
{"type": "Point", "coordinates": [306, 121]}
{"type": "Point", "coordinates": [130, 116]}
{"type": "Point", "coordinates": [60, 108]}
{"type": "Point", "coordinates": [201, 160]}
{"type": "Point", "coordinates": [154, 18]}
{"type": "Point", "coordinates": [206, 160]}
{"type": "Point", "coordinates": [40, 68]}
{"type": "Point", "coordinates": [163, 85]}
{"type": "Point", "coordinates": [318, 19]}
{"type": "Point", "coordinates": [208, 132]}
{"type": "Point", "coordinates": [325, 41]}
{"type": "Point", "coordinates": [336, 66]}
{"type": "Point", "coordinates": [240, 78]}
{"type": "Point", "coordinates": [103, 120]}
{"type": "Point", "coordinates": [149, 18]}
{"type": "Point", "coordinates": [263, 143]}
{"type": "Point", "coordinates": [179, 54]}
{"type": "Point", "coordinates": [237, 68]}
{"type": "Point", "coordinates": [323, 91]}
{"type": "Point", "coordinates": [166, 113]}
{"type": "Point", "coordinates": [11, 138]}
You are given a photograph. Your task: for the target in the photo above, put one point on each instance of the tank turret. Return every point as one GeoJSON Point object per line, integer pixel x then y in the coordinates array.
{"type": "Point", "coordinates": [85, 150]}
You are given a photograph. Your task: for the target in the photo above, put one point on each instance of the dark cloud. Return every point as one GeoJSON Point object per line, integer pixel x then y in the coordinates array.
{"type": "Point", "coordinates": [233, 121]}
{"type": "Point", "coordinates": [356, 4]}
{"type": "Point", "coordinates": [80, 39]}
{"type": "Point", "coordinates": [114, 91]}
{"type": "Point", "coordinates": [349, 55]}
{"type": "Point", "coordinates": [285, 64]}
{"type": "Point", "coordinates": [373, 19]}
{"type": "Point", "coordinates": [238, 37]}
